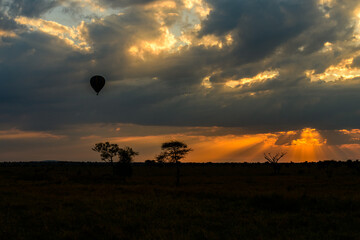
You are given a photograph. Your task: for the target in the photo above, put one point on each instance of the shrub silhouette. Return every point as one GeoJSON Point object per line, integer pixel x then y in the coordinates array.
{"type": "Point", "coordinates": [150, 162]}
{"type": "Point", "coordinates": [123, 167]}
{"type": "Point", "coordinates": [274, 160]}
{"type": "Point", "coordinates": [173, 152]}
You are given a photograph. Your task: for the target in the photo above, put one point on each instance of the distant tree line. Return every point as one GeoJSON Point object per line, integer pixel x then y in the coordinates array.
{"type": "Point", "coordinates": [174, 151]}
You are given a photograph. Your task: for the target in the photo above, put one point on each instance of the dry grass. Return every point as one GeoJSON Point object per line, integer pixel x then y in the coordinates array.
{"type": "Point", "coordinates": [62, 201]}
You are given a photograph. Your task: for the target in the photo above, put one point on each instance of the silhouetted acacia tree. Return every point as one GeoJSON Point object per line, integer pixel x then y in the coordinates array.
{"type": "Point", "coordinates": [172, 152]}
{"type": "Point", "coordinates": [123, 166]}
{"type": "Point", "coordinates": [107, 151]}
{"type": "Point", "coordinates": [274, 160]}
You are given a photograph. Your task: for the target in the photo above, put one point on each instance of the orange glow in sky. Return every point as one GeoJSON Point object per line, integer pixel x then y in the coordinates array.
{"type": "Point", "coordinates": [208, 143]}
{"type": "Point", "coordinates": [303, 145]}
{"type": "Point", "coordinates": [308, 146]}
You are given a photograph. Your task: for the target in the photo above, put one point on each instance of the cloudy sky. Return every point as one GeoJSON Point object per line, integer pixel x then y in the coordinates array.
{"type": "Point", "coordinates": [232, 78]}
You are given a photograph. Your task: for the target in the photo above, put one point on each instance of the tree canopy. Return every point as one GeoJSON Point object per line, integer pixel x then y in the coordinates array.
{"type": "Point", "coordinates": [107, 151]}
{"type": "Point", "coordinates": [173, 151]}
{"type": "Point", "coordinates": [126, 154]}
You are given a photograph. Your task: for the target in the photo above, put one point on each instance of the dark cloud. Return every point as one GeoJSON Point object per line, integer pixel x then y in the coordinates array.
{"type": "Point", "coordinates": [7, 23]}
{"type": "Point", "coordinates": [356, 62]}
{"type": "Point", "coordinates": [31, 8]}
{"type": "Point", "coordinates": [328, 137]}
{"type": "Point", "coordinates": [260, 26]}
{"type": "Point", "coordinates": [47, 80]}
{"type": "Point", "coordinates": [124, 3]}
{"type": "Point", "coordinates": [276, 30]}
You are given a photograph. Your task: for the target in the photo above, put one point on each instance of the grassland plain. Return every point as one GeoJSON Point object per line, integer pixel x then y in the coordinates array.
{"type": "Point", "coordinates": [214, 201]}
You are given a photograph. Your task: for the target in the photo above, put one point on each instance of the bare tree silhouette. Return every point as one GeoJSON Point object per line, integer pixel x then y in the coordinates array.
{"type": "Point", "coordinates": [172, 152]}
{"type": "Point", "coordinates": [274, 160]}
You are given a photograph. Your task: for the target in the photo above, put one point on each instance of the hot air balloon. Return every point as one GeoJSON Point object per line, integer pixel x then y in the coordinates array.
{"type": "Point", "coordinates": [97, 83]}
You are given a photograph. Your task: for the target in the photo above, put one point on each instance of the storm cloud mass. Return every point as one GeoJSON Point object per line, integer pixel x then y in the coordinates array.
{"type": "Point", "coordinates": [261, 66]}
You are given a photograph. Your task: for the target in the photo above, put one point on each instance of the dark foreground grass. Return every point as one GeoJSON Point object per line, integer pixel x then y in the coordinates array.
{"type": "Point", "coordinates": [84, 201]}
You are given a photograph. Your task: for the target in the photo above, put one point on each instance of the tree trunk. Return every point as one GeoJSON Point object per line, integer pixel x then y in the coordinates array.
{"type": "Point", "coordinates": [112, 165]}
{"type": "Point", "coordinates": [177, 173]}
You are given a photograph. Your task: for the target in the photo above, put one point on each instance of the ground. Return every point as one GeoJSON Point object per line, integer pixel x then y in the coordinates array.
{"type": "Point", "coordinates": [213, 201]}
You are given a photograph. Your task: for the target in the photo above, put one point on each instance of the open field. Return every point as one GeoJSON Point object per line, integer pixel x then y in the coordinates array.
{"type": "Point", "coordinates": [214, 201]}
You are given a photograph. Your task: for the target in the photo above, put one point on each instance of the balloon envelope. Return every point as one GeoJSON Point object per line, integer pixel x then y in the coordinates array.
{"type": "Point", "coordinates": [97, 83]}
